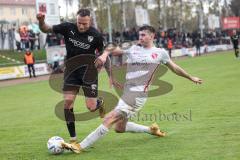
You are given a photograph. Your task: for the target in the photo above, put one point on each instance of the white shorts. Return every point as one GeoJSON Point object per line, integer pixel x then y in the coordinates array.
{"type": "Point", "coordinates": [130, 110]}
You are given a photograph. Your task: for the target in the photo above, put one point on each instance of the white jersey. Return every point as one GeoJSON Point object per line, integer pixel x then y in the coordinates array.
{"type": "Point", "coordinates": [141, 65]}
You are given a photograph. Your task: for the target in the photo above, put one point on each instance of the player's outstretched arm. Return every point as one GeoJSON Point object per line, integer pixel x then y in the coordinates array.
{"type": "Point", "coordinates": [181, 72]}
{"type": "Point", "coordinates": [108, 67]}
{"type": "Point", "coordinates": [42, 25]}
{"type": "Point", "coordinates": [116, 51]}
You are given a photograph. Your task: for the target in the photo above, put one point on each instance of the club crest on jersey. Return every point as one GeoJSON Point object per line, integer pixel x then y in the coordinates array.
{"type": "Point", "coordinates": [154, 55]}
{"type": "Point", "coordinates": [72, 32]}
{"type": "Point", "coordinates": [90, 38]}
{"type": "Point", "coordinates": [94, 87]}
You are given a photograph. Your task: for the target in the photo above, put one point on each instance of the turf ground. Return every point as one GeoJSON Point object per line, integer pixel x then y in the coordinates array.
{"type": "Point", "coordinates": [207, 129]}
{"type": "Point", "coordinates": [40, 57]}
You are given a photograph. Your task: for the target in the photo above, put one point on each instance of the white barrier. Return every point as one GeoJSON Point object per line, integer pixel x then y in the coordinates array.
{"type": "Point", "coordinates": [22, 71]}
{"type": "Point", "coordinates": [204, 49]}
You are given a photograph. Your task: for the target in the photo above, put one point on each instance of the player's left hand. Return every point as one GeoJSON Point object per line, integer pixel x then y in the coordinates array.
{"type": "Point", "coordinates": [196, 80]}
{"type": "Point", "coordinates": [99, 62]}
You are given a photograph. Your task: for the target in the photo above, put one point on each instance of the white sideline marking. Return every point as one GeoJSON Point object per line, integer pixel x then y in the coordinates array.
{"type": "Point", "coordinates": [10, 59]}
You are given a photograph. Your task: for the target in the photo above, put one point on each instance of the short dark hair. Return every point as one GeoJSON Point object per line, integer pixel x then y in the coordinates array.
{"type": "Point", "coordinates": [83, 12]}
{"type": "Point", "coordinates": [148, 28]}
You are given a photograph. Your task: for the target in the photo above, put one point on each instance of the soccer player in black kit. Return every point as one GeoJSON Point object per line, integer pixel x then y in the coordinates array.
{"type": "Point", "coordinates": [234, 39]}
{"type": "Point", "coordinates": [82, 42]}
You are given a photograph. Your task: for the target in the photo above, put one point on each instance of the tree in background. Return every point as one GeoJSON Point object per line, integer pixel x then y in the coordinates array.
{"type": "Point", "coordinates": [167, 14]}
{"type": "Point", "coordinates": [235, 7]}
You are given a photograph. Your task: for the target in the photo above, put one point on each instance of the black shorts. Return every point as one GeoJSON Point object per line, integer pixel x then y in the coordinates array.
{"type": "Point", "coordinates": [235, 47]}
{"type": "Point", "coordinates": [77, 79]}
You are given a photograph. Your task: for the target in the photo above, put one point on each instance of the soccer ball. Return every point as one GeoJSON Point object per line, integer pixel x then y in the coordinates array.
{"type": "Point", "coordinates": [54, 145]}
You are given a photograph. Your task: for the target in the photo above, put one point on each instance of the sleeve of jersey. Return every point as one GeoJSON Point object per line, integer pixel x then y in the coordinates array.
{"type": "Point", "coordinates": [165, 57]}
{"type": "Point", "coordinates": [60, 28]}
{"type": "Point", "coordinates": [100, 45]}
{"type": "Point", "coordinates": [128, 51]}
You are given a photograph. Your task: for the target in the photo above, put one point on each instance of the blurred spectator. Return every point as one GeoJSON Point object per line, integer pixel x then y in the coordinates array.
{"type": "Point", "coordinates": [3, 34]}
{"type": "Point", "coordinates": [56, 66]}
{"type": "Point", "coordinates": [11, 38]}
{"type": "Point", "coordinates": [17, 40]}
{"type": "Point", "coordinates": [198, 46]}
{"type": "Point", "coordinates": [235, 41]}
{"type": "Point", "coordinates": [53, 39]}
{"type": "Point", "coordinates": [32, 39]}
{"type": "Point", "coordinates": [37, 41]}
{"type": "Point", "coordinates": [170, 46]}
{"type": "Point", "coordinates": [24, 38]}
{"type": "Point", "coordinates": [29, 60]}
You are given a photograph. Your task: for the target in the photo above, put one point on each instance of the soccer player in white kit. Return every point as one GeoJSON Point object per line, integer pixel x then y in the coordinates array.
{"type": "Point", "coordinates": [143, 60]}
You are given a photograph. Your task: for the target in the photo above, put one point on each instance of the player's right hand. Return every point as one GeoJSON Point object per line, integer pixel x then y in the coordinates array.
{"type": "Point", "coordinates": [40, 17]}
{"type": "Point", "coordinates": [196, 80]}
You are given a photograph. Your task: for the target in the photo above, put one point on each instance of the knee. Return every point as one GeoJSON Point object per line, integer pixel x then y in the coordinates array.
{"type": "Point", "coordinates": [91, 109]}
{"type": "Point", "coordinates": [119, 130]}
{"type": "Point", "coordinates": [91, 106]}
{"type": "Point", "coordinates": [109, 120]}
{"type": "Point", "coordinates": [68, 104]}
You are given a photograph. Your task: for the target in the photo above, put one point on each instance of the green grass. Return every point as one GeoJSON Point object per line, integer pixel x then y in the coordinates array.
{"type": "Point", "coordinates": [213, 133]}
{"type": "Point", "coordinates": [40, 56]}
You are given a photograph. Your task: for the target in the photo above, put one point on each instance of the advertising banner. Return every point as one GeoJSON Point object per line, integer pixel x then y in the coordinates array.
{"type": "Point", "coordinates": [22, 71]}
{"type": "Point", "coordinates": [231, 23]}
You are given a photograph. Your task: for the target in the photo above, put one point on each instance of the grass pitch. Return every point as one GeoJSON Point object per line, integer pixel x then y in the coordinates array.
{"type": "Point", "coordinates": [207, 126]}
{"type": "Point", "coordinates": [40, 57]}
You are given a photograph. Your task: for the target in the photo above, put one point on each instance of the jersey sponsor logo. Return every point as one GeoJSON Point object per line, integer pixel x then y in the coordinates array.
{"type": "Point", "coordinates": [139, 63]}
{"type": "Point", "coordinates": [90, 38]}
{"type": "Point", "coordinates": [79, 44]}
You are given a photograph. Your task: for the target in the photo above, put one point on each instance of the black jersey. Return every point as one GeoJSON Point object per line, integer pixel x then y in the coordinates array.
{"type": "Point", "coordinates": [79, 43]}
{"type": "Point", "coordinates": [235, 39]}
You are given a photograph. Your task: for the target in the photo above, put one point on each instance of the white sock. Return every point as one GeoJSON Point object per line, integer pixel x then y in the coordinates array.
{"type": "Point", "coordinates": [94, 136]}
{"type": "Point", "coordinates": [137, 128]}
{"type": "Point", "coordinates": [73, 138]}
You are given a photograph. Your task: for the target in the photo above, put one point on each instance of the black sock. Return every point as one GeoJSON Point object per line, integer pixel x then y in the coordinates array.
{"type": "Point", "coordinates": [70, 120]}
{"type": "Point", "coordinates": [99, 102]}
{"type": "Point", "coordinates": [236, 53]}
